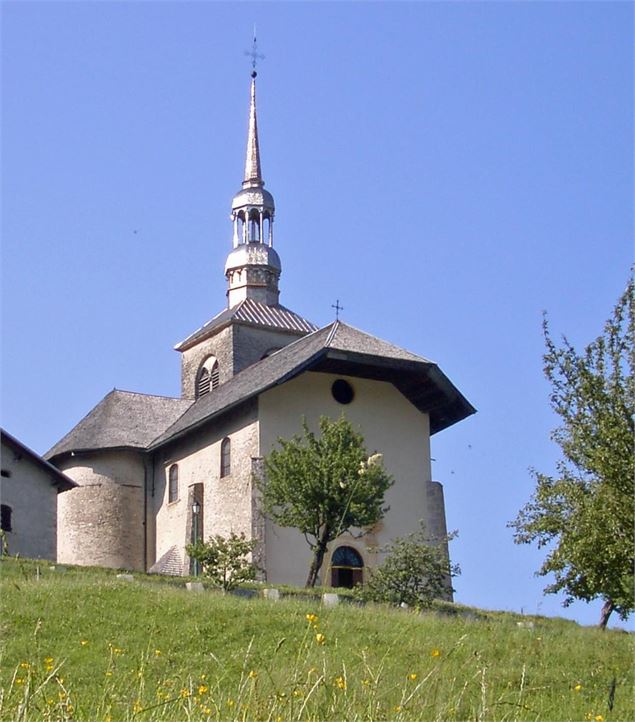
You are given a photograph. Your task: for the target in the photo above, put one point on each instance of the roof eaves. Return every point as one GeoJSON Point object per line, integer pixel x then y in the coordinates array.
{"type": "Point", "coordinates": [295, 371]}
{"type": "Point", "coordinates": [60, 479]}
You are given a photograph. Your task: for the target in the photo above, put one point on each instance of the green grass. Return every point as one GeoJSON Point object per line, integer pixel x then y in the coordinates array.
{"type": "Point", "coordinates": [82, 645]}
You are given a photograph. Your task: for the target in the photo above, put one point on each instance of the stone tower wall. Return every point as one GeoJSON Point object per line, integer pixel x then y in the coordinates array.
{"type": "Point", "coordinates": [221, 346]}
{"type": "Point", "coordinates": [101, 522]}
{"type": "Point", "coordinates": [235, 347]}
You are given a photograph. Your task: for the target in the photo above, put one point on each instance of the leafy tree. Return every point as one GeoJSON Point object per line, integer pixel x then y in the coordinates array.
{"type": "Point", "coordinates": [416, 571]}
{"type": "Point", "coordinates": [324, 486]}
{"type": "Point", "coordinates": [585, 513]}
{"type": "Point", "coordinates": [224, 559]}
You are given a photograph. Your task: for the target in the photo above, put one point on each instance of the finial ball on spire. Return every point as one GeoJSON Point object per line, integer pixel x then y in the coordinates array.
{"type": "Point", "coordinates": [253, 73]}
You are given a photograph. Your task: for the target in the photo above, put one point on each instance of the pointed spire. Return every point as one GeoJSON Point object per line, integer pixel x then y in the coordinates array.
{"type": "Point", "coordinates": [253, 174]}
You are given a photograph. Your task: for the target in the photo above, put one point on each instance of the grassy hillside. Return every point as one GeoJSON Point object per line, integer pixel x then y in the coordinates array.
{"type": "Point", "coordinates": [83, 645]}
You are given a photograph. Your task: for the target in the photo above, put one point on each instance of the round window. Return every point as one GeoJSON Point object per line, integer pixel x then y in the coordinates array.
{"type": "Point", "coordinates": [342, 391]}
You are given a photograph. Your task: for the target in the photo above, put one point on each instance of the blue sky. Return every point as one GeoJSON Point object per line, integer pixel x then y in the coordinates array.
{"type": "Point", "coordinates": [447, 170]}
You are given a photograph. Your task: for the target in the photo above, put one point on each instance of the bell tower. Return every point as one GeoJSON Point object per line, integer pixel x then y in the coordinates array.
{"type": "Point", "coordinates": [253, 267]}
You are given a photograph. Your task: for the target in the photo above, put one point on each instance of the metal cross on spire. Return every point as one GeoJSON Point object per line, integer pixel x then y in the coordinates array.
{"type": "Point", "coordinates": [254, 54]}
{"type": "Point", "coordinates": [337, 308]}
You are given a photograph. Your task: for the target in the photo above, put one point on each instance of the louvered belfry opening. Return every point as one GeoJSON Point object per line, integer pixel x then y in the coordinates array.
{"type": "Point", "coordinates": [203, 382]}
{"type": "Point", "coordinates": [215, 375]}
{"type": "Point", "coordinates": [208, 377]}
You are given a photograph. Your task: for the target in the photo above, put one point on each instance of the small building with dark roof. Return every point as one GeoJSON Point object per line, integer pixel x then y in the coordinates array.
{"type": "Point", "coordinates": [154, 473]}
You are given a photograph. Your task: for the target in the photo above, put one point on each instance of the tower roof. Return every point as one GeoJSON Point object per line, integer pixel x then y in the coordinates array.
{"type": "Point", "coordinates": [253, 173]}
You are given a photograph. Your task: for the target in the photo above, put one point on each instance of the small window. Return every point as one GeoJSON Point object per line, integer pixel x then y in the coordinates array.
{"type": "Point", "coordinates": [173, 490]}
{"type": "Point", "coordinates": [225, 457]}
{"type": "Point", "coordinates": [6, 473]}
{"type": "Point", "coordinates": [342, 391]}
{"type": "Point", "coordinates": [208, 377]}
{"type": "Point", "coordinates": [5, 517]}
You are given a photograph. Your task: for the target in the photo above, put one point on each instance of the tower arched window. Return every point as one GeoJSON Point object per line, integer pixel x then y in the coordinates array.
{"type": "Point", "coordinates": [208, 377]}
{"type": "Point", "coordinates": [225, 457]}
{"type": "Point", "coordinates": [173, 483]}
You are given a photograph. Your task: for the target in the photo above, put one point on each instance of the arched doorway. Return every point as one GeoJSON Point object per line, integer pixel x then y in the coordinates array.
{"type": "Point", "coordinates": [346, 568]}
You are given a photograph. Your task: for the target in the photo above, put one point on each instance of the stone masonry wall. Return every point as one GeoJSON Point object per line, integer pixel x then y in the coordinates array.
{"type": "Point", "coordinates": [235, 347]}
{"type": "Point", "coordinates": [220, 346]}
{"type": "Point", "coordinates": [227, 501]}
{"type": "Point", "coordinates": [101, 525]}
{"type": "Point", "coordinates": [101, 522]}
{"type": "Point", "coordinates": [251, 344]}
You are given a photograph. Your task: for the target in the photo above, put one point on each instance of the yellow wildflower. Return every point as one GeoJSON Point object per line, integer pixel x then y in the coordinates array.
{"type": "Point", "coordinates": [230, 703]}
{"type": "Point", "coordinates": [157, 652]}
{"type": "Point", "coordinates": [202, 688]}
{"type": "Point", "coordinates": [252, 674]}
{"type": "Point", "coordinates": [312, 618]}
{"type": "Point", "coordinates": [83, 642]}
{"type": "Point", "coordinates": [320, 638]}
{"type": "Point", "coordinates": [137, 706]}
{"type": "Point", "coordinates": [435, 653]}
{"type": "Point", "coordinates": [184, 693]}
{"type": "Point", "coordinates": [297, 693]}
{"type": "Point", "coordinates": [599, 718]}
{"type": "Point", "coordinates": [412, 676]}
{"type": "Point", "coordinates": [24, 665]}
{"type": "Point", "coordinates": [340, 682]}
{"type": "Point", "coordinates": [108, 673]}
{"type": "Point", "coordinates": [366, 682]}
{"type": "Point", "coordinates": [19, 680]}
{"type": "Point", "coordinates": [578, 687]}
{"type": "Point", "coordinates": [398, 708]}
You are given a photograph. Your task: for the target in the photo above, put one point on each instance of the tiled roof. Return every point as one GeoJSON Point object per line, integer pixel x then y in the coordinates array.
{"type": "Point", "coordinates": [341, 349]}
{"type": "Point", "coordinates": [170, 563]}
{"type": "Point", "coordinates": [121, 419]}
{"type": "Point", "coordinates": [253, 313]}
{"type": "Point", "coordinates": [124, 419]}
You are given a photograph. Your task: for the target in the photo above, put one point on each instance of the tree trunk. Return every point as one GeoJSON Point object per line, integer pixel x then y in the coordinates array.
{"type": "Point", "coordinates": [606, 613]}
{"type": "Point", "coordinates": [318, 558]}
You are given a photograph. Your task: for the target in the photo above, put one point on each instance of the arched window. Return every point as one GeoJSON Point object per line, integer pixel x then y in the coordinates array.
{"type": "Point", "coordinates": [225, 457]}
{"type": "Point", "coordinates": [208, 377]}
{"type": "Point", "coordinates": [347, 568]}
{"type": "Point", "coordinates": [5, 517]}
{"type": "Point", "coordinates": [173, 483]}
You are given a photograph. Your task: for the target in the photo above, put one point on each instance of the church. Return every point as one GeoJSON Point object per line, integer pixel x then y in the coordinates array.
{"type": "Point", "coordinates": [154, 473]}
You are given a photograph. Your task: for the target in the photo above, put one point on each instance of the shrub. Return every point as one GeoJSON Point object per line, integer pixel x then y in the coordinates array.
{"type": "Point", "coordinates": [224, 559]}
{"type": "Point", "coordinates": [416, 571]}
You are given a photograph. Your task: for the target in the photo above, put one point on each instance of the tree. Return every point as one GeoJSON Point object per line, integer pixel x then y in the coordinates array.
{"type": "Point", "coordinates": [416, 571]}
{"type": "Point", "coordinates": [585, 513]}
{"type": "Point", "coordinates": [324, 486]}
{"type": "Point", "coordinates": [224, 559]}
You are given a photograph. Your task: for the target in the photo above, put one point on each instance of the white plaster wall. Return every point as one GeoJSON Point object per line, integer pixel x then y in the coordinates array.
{"type": "Point", "coordinates": [33, 500]}
{"type": "Point", "coordinates": [226, 501]}
{"type": "Point", "coordinates": [389, 423]}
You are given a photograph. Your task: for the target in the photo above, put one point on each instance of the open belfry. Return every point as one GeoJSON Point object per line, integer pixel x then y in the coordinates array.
{"type": "Point", "coordinates": [155, 473]}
